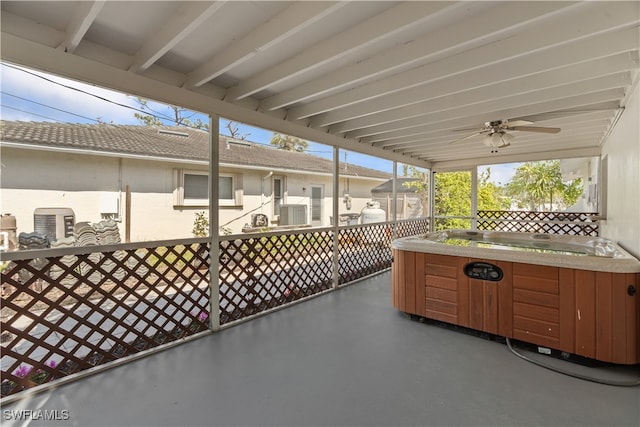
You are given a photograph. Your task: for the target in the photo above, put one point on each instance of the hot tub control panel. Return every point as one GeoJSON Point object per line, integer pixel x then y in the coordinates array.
{"type": "Point", "coordinates": [483, 271]}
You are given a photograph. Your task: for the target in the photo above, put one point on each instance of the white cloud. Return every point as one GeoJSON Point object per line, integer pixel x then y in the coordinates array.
{"type": "Point", "coordinates": [26, 84]}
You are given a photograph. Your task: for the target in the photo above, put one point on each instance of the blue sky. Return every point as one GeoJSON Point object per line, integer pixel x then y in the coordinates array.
{"type": "Point", "coordinates": [29, 95]}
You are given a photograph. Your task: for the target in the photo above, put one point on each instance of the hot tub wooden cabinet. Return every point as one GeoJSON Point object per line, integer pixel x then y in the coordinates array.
{"type": "Point", "coordinates": [583, 305]}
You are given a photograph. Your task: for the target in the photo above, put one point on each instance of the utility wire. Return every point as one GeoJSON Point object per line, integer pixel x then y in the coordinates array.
{"type": "Point", "coordinates": [157, 115]}
{"type": "Point", "coordinates": [40, 115]}
{"type": "Point", "coordinates": [43, 105]}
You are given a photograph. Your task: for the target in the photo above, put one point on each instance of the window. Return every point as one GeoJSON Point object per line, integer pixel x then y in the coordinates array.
{"type": "Point", "coordinates": [192, 189]}
{"type": "Point", "coordinates": [196, 187]}
{"type": "Point", "coordinates": [316, 204]}
{"type": "Point", "coordinates": [225, 188]}
{"type": "Point", "coordinates": [278, 194]}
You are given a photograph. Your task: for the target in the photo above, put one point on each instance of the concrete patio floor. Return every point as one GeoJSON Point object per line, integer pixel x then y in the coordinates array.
{"type": "Point", "coordinates": [346, 358]}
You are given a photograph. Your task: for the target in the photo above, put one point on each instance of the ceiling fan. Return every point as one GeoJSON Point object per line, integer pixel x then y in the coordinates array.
{"type": "Point", "coordinates": [495, 132]}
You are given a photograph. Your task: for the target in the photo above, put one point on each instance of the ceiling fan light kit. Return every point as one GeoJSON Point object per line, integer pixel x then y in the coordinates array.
{"type": "Point", "coordinates": [498, 140]}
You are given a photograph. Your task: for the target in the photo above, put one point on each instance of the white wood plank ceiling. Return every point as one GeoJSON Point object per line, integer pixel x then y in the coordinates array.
{"type": "Point", "coordinates": [394, 79]}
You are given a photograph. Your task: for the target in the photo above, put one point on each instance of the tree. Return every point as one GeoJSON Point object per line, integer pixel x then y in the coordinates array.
{"type": "Point", "coordinates": [453, 194]}
{"type": "Point", "coordinates": [572, 191]}
{"type": "Point", "coordinates": [288, 142]}
{"type": "Point", "coordinates": [539, 182]}
{"type": "Point", "coordinates": [234, 131]}
{"type": "Point", "coordinates": [490, 195]}
{"type": "Point", "coordinates": [452, 198]}
{"type": "Point", "coordinates": [178, 116]}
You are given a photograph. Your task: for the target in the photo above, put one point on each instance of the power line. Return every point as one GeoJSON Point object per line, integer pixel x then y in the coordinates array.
{"type": "Point", "coordinates": [158, 115]}
{"type": "Point", "coordinates": [43, 105]}
{"type": "Point", "coordinates": [40, 115]}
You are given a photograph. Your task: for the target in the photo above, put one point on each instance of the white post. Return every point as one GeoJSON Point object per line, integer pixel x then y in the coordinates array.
{"type": "Point", "coordinates": [336, 220]}
{"type": "Point", "coordinates": [432, 201]}
{"type": "Point", "coordinates": [474, 198]}
{"type": "Point", "coordinates": [394, 202]}
{"type": "Point", "coordinates": [214, 222]}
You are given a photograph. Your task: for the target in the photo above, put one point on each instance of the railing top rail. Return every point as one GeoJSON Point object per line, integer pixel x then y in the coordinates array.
{"type": "Point", "coordinates": [310, 230]}
{"type": "Point", "coordinates": [83, 250]}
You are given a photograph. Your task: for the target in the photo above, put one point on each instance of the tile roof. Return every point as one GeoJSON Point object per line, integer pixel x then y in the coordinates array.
{"type": "Point", "coordinates": [167, 142]}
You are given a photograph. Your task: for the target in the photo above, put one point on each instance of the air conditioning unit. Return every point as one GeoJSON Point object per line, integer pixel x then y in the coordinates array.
{"type": "Point", "coordinates": [55, 223]}
{"type": "Point", "coordinates": [293, 214]}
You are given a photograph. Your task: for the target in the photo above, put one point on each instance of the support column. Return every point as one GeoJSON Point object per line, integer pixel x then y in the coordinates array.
{"type": "Point", "coordinates": [336, 220]}
{"type": "Point", "coordinates": [394, 201]}
{"type": "Point", "coordinates": [474, 198]}
{"type": "Point", "coordinates": [214, 222]}
{"type": "Point", "coordinates": [432, 201]}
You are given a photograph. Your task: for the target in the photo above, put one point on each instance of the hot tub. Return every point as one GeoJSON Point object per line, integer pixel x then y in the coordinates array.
{"type": "Point", "coordinates": [574, 294]}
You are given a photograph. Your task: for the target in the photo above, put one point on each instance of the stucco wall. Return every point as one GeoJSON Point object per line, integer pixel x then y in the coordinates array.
{"type": "Point", "coordinates": [89, 184]}
{"type": "Point", "coordinates": [621, 153]}
{"type": "Point", "coordinates": [67, 181]}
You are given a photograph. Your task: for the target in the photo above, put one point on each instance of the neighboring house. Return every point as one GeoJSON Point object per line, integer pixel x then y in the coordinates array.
{"type": "Point", "coordinates": [410, 201]}
{"type": "Point", "coordinates": [157, 177]}
{"type": "Point", "coordinates": [586, 168]}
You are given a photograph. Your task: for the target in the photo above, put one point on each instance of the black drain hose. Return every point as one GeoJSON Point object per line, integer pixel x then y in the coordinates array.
{"type": "Point", "coordinates": [572, 374]}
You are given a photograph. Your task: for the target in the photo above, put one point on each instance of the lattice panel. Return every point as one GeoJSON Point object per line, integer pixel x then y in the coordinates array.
{"type": "Point", "coordinates": [62, 315]}
{"type": "Point", "coordinates": [412, 227]}
{"type": "Point", "coordinates": [363, 251]}
{"type": "Point", "coordinates": [573, 223]}
{"type": "Point", "coordinates": [261, 273]}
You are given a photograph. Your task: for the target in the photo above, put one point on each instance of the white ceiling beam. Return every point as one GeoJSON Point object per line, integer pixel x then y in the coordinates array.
{"type": "Point", "coordinates": [444, 140]}
{"type": "Point", "coordinates": [506, 100]}
{"type": "Point", "coordinates": [293, 20]}
{"type": "Point", "coordinates": [382, 26]}
{"type": "Point", "coordinates": [449, 92]}
{"type": "Point", "coordinates": [493, 23]}
{"type": "Point", "coordinates": [519, 142]}
{"type": "Point", "coordinates": [515, 158]}
{"type": "Point", "coordinates": [451, 131]}
{"type": "Point", "coordinates": [85, 14]}
{"type": "Point", "coordinates": [486, 155]}
{"type": "Point", "coordinates": [340, 45]}
{"type": "Point", "coordinates": [449, 140]}
{"type": "Point", "coordinates": [486, 116]}
{"type": "Point", "coordinates": [540, 143]}
{"type": "Point", "coordinates": [27, 28]}
{"type": "Point", "coordinates": [187, 19]}
{"type": "Point", "coordinates": [589, 22]}
{"type": "Point", "coordinates": [591, 132]}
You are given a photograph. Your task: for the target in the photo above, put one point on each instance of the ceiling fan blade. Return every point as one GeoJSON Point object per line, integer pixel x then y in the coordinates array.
{"type": "Point", "coordinates": [467, 137]}
{"type": "Point", "coordinates": [534, 129]}
{"type": "Point", "coordinates": [476, 128]}
{"type": "Point", "coordinates": [511, 124]}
